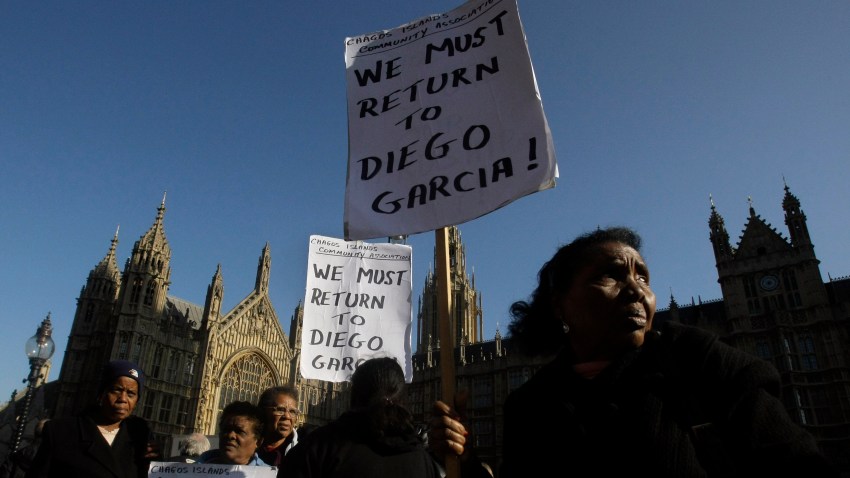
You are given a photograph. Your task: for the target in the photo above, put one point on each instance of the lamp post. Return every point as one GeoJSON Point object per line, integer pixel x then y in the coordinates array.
{"type": "Point", "coordinates": [39, 349]}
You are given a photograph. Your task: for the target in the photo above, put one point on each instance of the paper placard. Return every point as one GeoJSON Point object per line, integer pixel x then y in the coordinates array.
{"type": "Point", "coordinates": [357, 305]}
{"type": "Point", "coordinates": [445, 122]}
{"type": "Point", "coordinates": [164, 469]}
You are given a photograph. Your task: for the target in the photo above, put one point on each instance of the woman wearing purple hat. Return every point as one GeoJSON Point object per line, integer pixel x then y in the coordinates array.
{"type": "Point", "coordinates": [106, 440]}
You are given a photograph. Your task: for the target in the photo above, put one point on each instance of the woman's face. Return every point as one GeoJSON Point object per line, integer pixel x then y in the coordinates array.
{"type": "Point", "coordinates": [236, 439]}
{"type": "Point", "coordinates": [119, 399]}
{"type": "Point", "coordinates": [281, 417]}
{"type": "Point", "coordinates": [609, 305]}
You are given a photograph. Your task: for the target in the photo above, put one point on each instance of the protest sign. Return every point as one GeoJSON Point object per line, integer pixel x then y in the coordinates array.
{"type": "Point", "coordinates": [162, 469]}
{"type": "Point", "coordinates": [445, 122]}
{"type": "Point", "coordinates": [357, 305]}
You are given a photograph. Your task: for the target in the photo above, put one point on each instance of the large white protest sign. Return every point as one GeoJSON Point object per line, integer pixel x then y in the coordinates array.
{"type": "Point", "coordinates": [161, 469]}
{"type": "Point", "coordinates": [445, 122]}
{"type": "Point", "coordinates": [357, 305]}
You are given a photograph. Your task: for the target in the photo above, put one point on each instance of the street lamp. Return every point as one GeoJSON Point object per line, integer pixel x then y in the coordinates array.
{"type": "Point", "coordinates": [39, 348]}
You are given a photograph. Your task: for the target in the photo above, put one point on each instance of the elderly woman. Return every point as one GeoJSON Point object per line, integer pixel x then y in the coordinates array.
{"type": "Point", "coordinates": [624, 396]}
{"type": "Point", "coordinates": [107, 440]}
{"type": "Point", "coordinates": [240, 434]}
{"type": "Point", "coordinates": [280, 405]}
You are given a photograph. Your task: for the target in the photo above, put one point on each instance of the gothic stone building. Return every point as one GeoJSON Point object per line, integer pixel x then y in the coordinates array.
{"type": "Point", "coordinates": [777, 306]}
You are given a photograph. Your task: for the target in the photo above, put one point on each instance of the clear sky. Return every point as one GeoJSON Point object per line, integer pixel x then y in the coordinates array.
{"type": "Point", "coordinates": [238, 111]}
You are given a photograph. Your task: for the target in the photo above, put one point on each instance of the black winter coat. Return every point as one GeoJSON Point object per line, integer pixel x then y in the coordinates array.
{"type": "Point", "coordinates": [74, 448]}
{"type": "Point", "coordinates": [342, 449]}
{"type": "Point", "coordinates": [684, 405]}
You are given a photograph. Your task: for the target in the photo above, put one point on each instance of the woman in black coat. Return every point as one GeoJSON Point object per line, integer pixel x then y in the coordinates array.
{"type": "Point", "coordinates": [106, 441]}
{"type": "Point", "coordinates": [624, 396]}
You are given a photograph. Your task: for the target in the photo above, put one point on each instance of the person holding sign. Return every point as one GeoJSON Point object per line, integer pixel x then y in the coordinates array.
{"type": "Point", "coordinates": [107, 440]}
{"type": "Point", "coordinates": [376, 437]}
{"type": "Point", "coordinates": [624, 396]}
{"type": "Point", "coordinates": [240, 433]}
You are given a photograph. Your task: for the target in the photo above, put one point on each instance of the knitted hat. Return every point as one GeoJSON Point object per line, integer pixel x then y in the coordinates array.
{"type": "Point", "coordinates": [121, 368]}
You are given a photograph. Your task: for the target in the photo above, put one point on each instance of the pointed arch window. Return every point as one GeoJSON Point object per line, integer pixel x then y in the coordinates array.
{"type": "Point", "coordinates": [245, 379]}
{"type": "Point", "coordinates": [157, 362]}
{"type": "Point", "coordinates": [751, 293]}
{"type": "Point", "coordinates": [189, 371]}
{"type": "Point", "coordinates": [149, 292]}
{"type": "Point", "coordinates": [165, 405]}
{"type": "Point", "coordinates": [482, 391]}
{"type": "Point", "coordinates": [171, 371]}
{"type": "Point", "coordinates": [789, 361]}
{"type": "Point", "coordinates": [808, 358]}
{"type": "Point", "coordinates": [183, 412]}
{"type": "Point", "coordinates": [792, 291]}
{"type": "Point", "coordinates": [136, 290]}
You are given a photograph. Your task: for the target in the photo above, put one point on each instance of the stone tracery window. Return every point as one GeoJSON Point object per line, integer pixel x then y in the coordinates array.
{"type": "Point", "coordinates": [245, 379]}
{"type": "Point", "coordinates": [189, 371]}
{"type": "Point", "coordinates": [136, 290]}
{"type": "Point", "coordinates": [149, 293]}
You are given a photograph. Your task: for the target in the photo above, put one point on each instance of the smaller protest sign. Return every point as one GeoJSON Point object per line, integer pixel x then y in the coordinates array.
{"type": "Point", "coordinates": [357, 306]}
{"type": "Point", "coordinates": [164, 469]}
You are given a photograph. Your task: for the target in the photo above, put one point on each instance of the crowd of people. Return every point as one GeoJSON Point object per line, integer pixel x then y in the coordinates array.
{"type": "Point", "coordinates": [622, 396]}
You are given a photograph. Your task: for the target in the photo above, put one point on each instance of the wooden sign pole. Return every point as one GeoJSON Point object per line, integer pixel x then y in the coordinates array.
{"type": "Point", "coordinates": [444, 309]}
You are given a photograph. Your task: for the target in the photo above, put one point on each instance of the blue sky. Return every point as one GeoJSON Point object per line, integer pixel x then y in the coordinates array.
{"type": "Point", "coordinates": [238, 111]}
